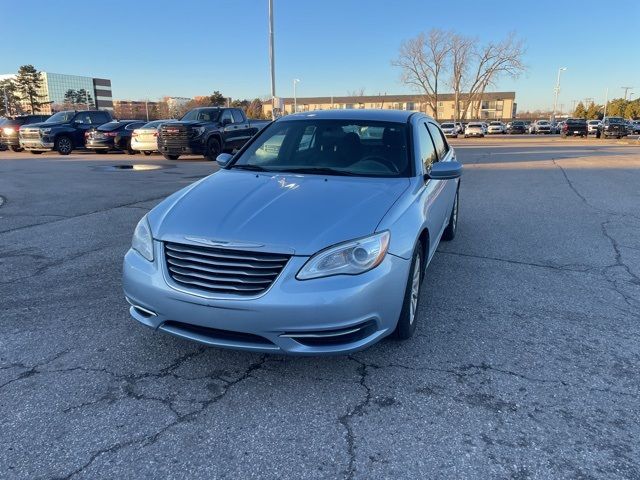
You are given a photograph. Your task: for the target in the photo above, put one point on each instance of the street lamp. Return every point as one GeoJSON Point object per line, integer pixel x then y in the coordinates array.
{"type": "Point", "coordinates": [295, 100]}
{"type": "Point", "coordinates": [557, 90]}
{"type": "Point", "coordinates": [272, 62]}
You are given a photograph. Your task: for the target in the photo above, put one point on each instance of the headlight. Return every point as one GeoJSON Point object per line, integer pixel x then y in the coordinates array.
{"type": "Point", "coordinates": [349, 258]}
{"type": "Point", "coordinates": [197, 131]}
{"type": "Point", "coordinates": [44, 131]}
{"type": "Point", "coordinates": [9, 131]}
{"type": "Point", "coordinates": [142, 241]}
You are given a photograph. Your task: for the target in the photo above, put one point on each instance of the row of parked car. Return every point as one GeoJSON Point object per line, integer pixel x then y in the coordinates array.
{"type": "Point", "coordinates": [205, 131]}
{"type": "Point", "coordinates": [607, 127]}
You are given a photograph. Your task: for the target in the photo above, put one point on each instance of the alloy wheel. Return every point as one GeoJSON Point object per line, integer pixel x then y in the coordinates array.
{"type": "Point", "coordinates": [415, 290]}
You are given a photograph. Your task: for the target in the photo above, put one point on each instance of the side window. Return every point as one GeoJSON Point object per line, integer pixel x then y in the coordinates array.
{"type": "Point", "coordinates": [438, 139]}
{"type": "Point", "coordinates": [426, 150]}
{"type": "Point", "coordinates": [226, 116]}
{"type": "Point", "coordinates": [82, 118]}
{"type": "Point", "coordinates": [237, 116]}
{"type": "Point", "coordinates": [97, 117]}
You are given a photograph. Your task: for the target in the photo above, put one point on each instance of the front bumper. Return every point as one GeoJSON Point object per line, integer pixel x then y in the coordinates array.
{"type": "Point", "coordinates": [290, 308]}
{"type": "Point", "coordinates": [36, 144]}
{"type": "Point", "coordinates": [193, 147]}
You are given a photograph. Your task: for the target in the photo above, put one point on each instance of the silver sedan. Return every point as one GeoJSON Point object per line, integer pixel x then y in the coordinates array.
{"type": "Point", "coordinates": [313, 239]}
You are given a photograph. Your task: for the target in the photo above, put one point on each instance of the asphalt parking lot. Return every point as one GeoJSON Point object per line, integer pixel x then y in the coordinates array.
{"type": "Point", "coordinates": [525, 363]}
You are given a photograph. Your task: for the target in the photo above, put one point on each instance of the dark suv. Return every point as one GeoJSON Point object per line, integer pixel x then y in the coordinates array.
{"type": "Point", "coordinates": [10, 127]}
{"type": "Point", "coordinates": [62, 132]}
{"type": "Point", "coordinates": [614, 127]}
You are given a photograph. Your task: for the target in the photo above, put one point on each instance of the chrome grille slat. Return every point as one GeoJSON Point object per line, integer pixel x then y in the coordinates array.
{"type": "Point", "coordinates": [221, 254]}
{"type": "Point", "coordinates": [218, 270]}
{"type": "Point", "coordinates": [248, 273]}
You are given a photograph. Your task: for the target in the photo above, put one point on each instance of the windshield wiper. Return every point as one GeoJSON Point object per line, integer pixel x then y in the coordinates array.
{"type": "Point", "coordinates": [253, 168]}
{"type": "Point", "coordinates": [321, 171]}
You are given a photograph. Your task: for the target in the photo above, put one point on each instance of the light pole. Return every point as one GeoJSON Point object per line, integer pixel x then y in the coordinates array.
{"type": "Point", "coordinates": [272, 62]}
{"type": "Point", "coordinates": [626, 90]}
{"type": "Point", "coordinates": [557, 90]}
{"type": "Point", "coordinates": [146, 108]}
{"type": "Point", "coordinates": [295, 99]}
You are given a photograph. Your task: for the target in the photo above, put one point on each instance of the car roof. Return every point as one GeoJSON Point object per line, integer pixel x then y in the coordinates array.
{"type": "Point", "coordinates": [399, 116]}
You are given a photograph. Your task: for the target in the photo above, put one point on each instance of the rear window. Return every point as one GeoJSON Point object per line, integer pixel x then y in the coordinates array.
{"type": "Point", "coordinates": [576, 120]}
{"type": "Point", "coordinates": [615, 120]}
{"type": "Point", "coordinates": [110, 127]}
{"type": "Point", "coordinates": [495, 123]}
{"type": "Point", "coordinates": [479, 125]}
{"type": "Point", "coordinates": [518, 123]}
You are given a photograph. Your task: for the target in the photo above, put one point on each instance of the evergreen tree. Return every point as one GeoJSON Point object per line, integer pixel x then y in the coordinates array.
{"type": "Point", "coordinates": [580, 111]}
{"type": "Point", "coordinates": [9, 100]}
{"type": "Point", "coordinates": [217, 99]}
{"type": "Point", "coordinates": [28, 82]}
{"type": "Point", "coordinates": [594, 112]}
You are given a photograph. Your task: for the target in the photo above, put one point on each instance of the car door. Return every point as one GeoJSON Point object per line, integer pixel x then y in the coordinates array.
{"type": "Point", "coordinates": [446, 191]}
{"type": "Point", "coordinates": [82, 122]}
{"type": "Point", "coordinates": [429, 195]}
{"type": "Point", "coordinates": [228, 130]}
{"type": "Point", "coordinates": [244, 131]}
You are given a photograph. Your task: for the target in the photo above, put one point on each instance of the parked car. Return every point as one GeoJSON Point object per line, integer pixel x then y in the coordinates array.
{"type": "Point", "coordinates": [62, 132]}
{"type": "Point", "coordinates": [145, 138]}
{"type": "Point", "coordinates": [114, 135]}
{"type": "Point", "coordinates": [450, 130]}
{"type": "Point", "coordinates": [592, 126]}
{"type": "Point", "coordinates": [517, 126]}
{"type": "Point", "coordinates": [541, 126]}
{"type": "Point", "coordinates": [495, 127]}
{"type": "Point", "coordinates": [576, 127]}
{"type": "Point", "coordinates": [207, 131]}
{"type": "Point", "coordinates": [9, 130]}
{"type": "Point", "coordinates": [318, 248]}
{"type": "Point", "coordinates": [474, 129]}
{"type": "Point", "coordinates": [615, 127]}
{"type": "Point", "coordinates": [635, 127]}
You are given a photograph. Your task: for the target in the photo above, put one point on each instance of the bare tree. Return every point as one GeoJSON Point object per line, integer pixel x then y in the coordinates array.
{"type": "Point", "coordinates": [491, 62]}
{"type": "Point", "coordinates": [461, 50]}
{"type": "Point", "coordinates": [356, 93]}
{"type": "Point", "coordinates": [422, 60]}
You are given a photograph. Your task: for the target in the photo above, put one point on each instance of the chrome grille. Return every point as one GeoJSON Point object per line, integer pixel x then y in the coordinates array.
{"type": "Point", "coordinates": [219, 270]}
{"type": "Point", "coordinates": [173, 137]}
{"type": "Point", "coordinates": [30, 133]}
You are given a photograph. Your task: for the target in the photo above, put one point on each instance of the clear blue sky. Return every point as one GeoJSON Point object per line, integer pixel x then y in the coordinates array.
{"type": "Point", "coordinates": [185, 47]}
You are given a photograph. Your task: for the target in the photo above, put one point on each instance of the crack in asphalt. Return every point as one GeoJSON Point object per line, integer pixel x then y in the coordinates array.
{"type": "Point", "coordinates": [150, 439]}
{"type": "Point", "coordinates": [86, 214]}
{"type": "Point", "coordinates": [357, 410]}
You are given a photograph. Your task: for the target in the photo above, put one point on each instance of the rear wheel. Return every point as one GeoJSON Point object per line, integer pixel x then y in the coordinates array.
{"type": "Point", "coordinates": [170, 157]}
{"type": "Point", "coordinates": [63, 145]}
{"type": "Point", "coordinates": [16, 149]}
{"type": "Point", "coordinates": [213, 149]}
{"type": "Point", "coordinates": [35, 152]}
{"type": "Point", "coordinates": [450, 232]}
{"type": "Point", "coordinates": [407, 321]}
{"type": "Point", "coordinates": [147, 153]}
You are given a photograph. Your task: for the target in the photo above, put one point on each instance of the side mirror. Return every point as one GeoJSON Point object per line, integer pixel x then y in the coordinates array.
{"type": "Point", "coordinates": [223, 159]}
{"type": "Point", "coordinates": [445, 171]}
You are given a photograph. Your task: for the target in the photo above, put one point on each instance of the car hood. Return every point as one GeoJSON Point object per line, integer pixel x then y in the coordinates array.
{"type": "Point", "coordinates": [296, 214]}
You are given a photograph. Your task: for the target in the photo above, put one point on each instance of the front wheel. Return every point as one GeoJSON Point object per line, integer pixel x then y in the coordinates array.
{"type": "Point", "coordinates": [63, 145]}
{"type": "Point", "coordinates": [170, 157]}
{"type": "Point", "coordinates": [16, 149]}
{"type": "Point", "coordinates": [213, 149]}
{"type": "Point", "coordinates": [407, 321]}
{"type": "Point", "coordinates": [35, 152]}
{"type": "Point", "coordinates": [147, 153]}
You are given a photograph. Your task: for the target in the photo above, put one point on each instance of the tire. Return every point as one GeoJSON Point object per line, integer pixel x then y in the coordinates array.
{"type": "Point", "coordinates": [16, 149]}
{"type": "Point", "coordinates": [63, 145]}
{"type": "Point", "coordinates": [450, 232]}
{"type": "Point", "coordinates": [213, 149]}
{"type": "Point", "coordinates": [128, 148]}
{"type": "Point", "coordinates": [170, 157]}
{"type": "Point", "coordinates": [407, 321]}
{"type": "Point", "coordinates": [101, 152]}
{"type": "Point", "coordinates": [36, 152]}
{"type": "Point", "coordinates": [147, 153]}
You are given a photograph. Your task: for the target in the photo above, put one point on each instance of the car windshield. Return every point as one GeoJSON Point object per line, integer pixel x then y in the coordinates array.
{"type": "Point", "coordinates": [543, 122]}
{"type": "Point", "coordinates": [447, 125]}
{"type": "Point", "coordinates": [478, 125]}
{"type": "Point", "coordinates": [594, 122]}
{"type": "Point", "coordinates": [615, 120]}
{"type": "Point", "coordinates": [203, 115]}
{"type": "Point", "coordinates": [330, 147]}
{"type": "Point", "coordinates": [518, 123]}
{"type": "Point", "coordinates": [495, 123]}
{"type": "Point", "coordinates": [61, 117]}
